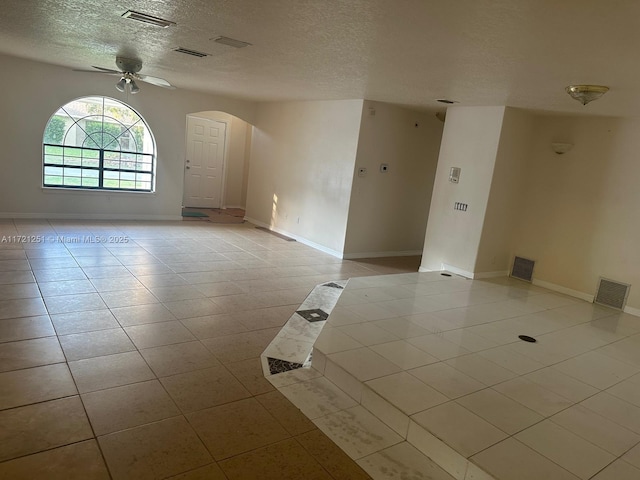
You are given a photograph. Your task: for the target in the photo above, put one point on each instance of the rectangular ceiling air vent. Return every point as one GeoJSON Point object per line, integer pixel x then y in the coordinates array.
{"type": "Point", "coordinates": [523, 269]}
{"type": "Point", "coordinates": [612, 294]}
{"type": "Point", "coordinates": [193, 53]}
{"type": "Point", "coordinates": [231, 42]}
{"type": "Point", "coordinates": [150, 19]}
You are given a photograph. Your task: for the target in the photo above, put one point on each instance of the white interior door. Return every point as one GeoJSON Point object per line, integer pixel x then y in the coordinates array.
{"type": "Point", "coordinates": [204, 163]}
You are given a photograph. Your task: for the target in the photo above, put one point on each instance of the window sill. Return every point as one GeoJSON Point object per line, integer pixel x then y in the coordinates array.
{"type": "Point", "coordinates": [92, 192]}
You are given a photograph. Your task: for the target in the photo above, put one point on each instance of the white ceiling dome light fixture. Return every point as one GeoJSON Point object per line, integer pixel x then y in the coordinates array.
{"type": "Point", "coordinates": [586, 93]}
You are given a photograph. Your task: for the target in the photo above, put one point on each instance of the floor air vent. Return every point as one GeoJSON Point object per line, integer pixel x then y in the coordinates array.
{"type": "Point", "coordinates": [612, 294]}
{"type": "Point", "coordinates": [523, 269]}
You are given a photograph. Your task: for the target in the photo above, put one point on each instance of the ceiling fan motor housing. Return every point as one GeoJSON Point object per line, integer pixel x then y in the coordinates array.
{"type": "Point", "coordinates": [129, 64]}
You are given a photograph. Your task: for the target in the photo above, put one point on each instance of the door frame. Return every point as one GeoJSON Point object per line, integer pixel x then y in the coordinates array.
{"type": "Point", "coordinates": [225, 154]}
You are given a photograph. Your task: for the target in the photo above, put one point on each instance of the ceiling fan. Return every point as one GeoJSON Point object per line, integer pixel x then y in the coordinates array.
{"type": "Point", "coordinates": [129, 68]}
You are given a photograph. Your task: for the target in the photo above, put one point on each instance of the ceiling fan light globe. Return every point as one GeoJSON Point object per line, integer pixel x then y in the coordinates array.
{"type": "Point", "coordinates": [134, 87]}
{"type": "Point", "coordinates": [120, 86]}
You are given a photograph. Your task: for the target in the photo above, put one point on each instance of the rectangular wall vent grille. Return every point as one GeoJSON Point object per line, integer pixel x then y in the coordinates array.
{"type": "Point", "coordinates": [523, 269]}
{"type": "Point", "coordinates": [190, 52]}
{"type": "Point", "coordinates": [231, 42]}
{"type": "Point", "coordinates": [612, 294]}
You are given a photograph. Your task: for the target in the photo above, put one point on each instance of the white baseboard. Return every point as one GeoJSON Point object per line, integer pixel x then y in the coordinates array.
{"type": "Point", "coordinates": [424, 269]}
{"type": "Point", "coordinates": [490, 274]}
{"type": "Point", "coordinates": [563, 290]}
{"type": "Point", "coordinates": [407, 253]}
{"type": "Point", "coordinates": [89, 216]}
{"type": "Point", "coordinates": [233, 206]}
{"type": "Point", "coordinates": [298, 238]}
{"type": "Point", "coordinates": [632, 311]}
{"type": "Point", "coordinates": [457, 271]}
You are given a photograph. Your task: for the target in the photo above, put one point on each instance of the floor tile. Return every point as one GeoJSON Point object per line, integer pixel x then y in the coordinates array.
{"type": "Point", "coordinates": [286, 460]}
{"type": "Point", "coordinates": [618, 470]}
{"type": "Point", "coordinates": [214, 326]}
{"type": "Point", "coordinates": [22, 387]}
{"type": "Point", "coordinates": [596, 429]}
{"type": "Point", "coordinates": [357, 432]}
{"type": "Point", "coordinates": [597, 369]}
{"type": "Point", "coordinates": [128, 298]}
{"type": "Point", "coordinates": [155, 450]}
{"type": "Point", "coordinates": [285, 412]}
{"type": "Point", "coordinates": [197, 307]}
{"type": "Point", "coordinates": [506, 414]}
{"type": "Point", "coordinates": [403, 354]}
{"type": "Point", "coordinates": [406, 392]}
{"type": "Point", "coordinates": [533, 396]}
{"type": "Point", "coordinates": [208, 472]}
{"type": "Point", "coordinates": [615, 409]}
{"type": "Point", "coordinates": [42, 426]}
{"type": "Point", "coordinates": [571, 452]}
{"type": "Point", "coordinates": [330, 456]}
{"type": "Point", "coordinates": [205, 388]}
{"type": "Point", "coordinates": [368, 334]}
{"type": "Point", "coordinates": [95, 344]}
{"type": "Point", "coordinates": [364, 364]}
{"type": "Point", "coordinates": [59, 274]}
{"type": "Point", "coordinates": [80, 322]}
{"type": "Point", "coordinates": [117, 283]}
{"type": "Point", "coordinates": [81, 460]}
{"type": "Point", "coordinates": [461, 429]}
{"type": "Point", "coordinates": [74, 303]}
{"type": "Point", "coordinates": [240, 346]}
{"type": "Point", "coordinates": [238, 427]}
{"type": "Point", "coordinates": [98, 373]}
{"type": "Point", "coordinates": [65, 287]}
{"type": "Point", "coordinates": [30, 353]}
{"type": "Point", "coordinates": [128, 406]}
{"type": "Point", "coordinates": [447, 380]}
{"type": "Point", "coordinates": [249, 372]}
{"type": "Point", "coordinates": [628, 391]}
{"type": "Point", "coordinates": [142, 314]}
{"type": "Point", "coordinates": [158, 334]}
{"type": "Point", "coordinates": [512, 460]}
{"type": "Point", "coordinates": [317, 397]}
{"type": "Point", "coordinates": [438, 347]}
{"type": "Point", "coordinates": [25, 328]}
{"type": "Point", "coordinates": [179, 358]}
{"type": "Point", "coordinates": [18, 291]}
{"type": "Point", "coordinates": [24, 307]}
{"type": "Point", "coordinates": [562, 384]}
{"type": "Point", "coordinates": [402, 461]}
{"type": "Point", "coordinates": [481, 369]}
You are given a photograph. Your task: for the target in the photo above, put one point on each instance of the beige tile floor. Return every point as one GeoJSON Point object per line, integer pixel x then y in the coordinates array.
{"type": "Point", "coordinates": [130, 350]}
{"type": "Point", "coordinates": [421, 362]}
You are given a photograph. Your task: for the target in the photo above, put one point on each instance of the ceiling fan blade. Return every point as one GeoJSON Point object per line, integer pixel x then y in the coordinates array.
{"type": "Point", "coordinates": [108, 70]}
{"type": "Point", "coordinates": [95, 71]}
{"type": "Point", "coordinates": [160, 82]}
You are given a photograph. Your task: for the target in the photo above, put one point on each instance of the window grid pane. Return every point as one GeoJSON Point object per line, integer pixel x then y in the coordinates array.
{"type": "Point", "coordinates": [97, 140]}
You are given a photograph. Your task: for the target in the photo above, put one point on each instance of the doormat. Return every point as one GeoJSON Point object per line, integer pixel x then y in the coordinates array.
{"type": "Point", "coordinates": [194, 214]}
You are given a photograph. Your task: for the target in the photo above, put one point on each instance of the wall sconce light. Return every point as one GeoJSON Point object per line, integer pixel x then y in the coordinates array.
{"type": "Point", "coordinates": [561, 148]}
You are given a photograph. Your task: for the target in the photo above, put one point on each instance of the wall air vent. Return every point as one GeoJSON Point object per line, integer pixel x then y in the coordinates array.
{"type": "Point", "coordinates": [522, 269]}
{"type": "Point", "coordinates": [151, 20]}
{"type": "Point", "coordinates": [231, 42]}
{"type": "Point", "coordinates": [612, 294]}
{"type": "Point", "coordinates": [193, 53]}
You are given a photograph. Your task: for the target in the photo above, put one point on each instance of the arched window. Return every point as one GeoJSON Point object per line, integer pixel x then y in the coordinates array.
{"type": "Point", "coordinates": [98, 143]}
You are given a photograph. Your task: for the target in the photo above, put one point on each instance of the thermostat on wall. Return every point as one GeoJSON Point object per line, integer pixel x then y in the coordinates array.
{"type": "Point", "coordinates": [454, 174]}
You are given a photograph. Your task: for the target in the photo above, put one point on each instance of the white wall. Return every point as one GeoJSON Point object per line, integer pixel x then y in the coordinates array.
{"type": "Point", "coordinates": [236, 157]}
{"type": "Point", "coordinates": [469, 141]}
{"type": "Point", "coordinates": [506, 197]}
{"type": "Point", "coordinates": [31, 92]}
{"type": "Point", "coordinates": [388, 211]}
{"type": "Point", "coordinates": [301, 172]}
{"type": "Point", "coordinates": [580, 219]}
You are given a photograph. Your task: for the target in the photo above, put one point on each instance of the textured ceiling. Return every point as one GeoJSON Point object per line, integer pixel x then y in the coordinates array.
{"type": "Point", "coordinates": [520, 53]}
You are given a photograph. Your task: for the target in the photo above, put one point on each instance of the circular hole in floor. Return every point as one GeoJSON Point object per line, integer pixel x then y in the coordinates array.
{"type": "Point", "coordinates": [527, 338]}
{"type": "Point", "coordinates": [445, 274]}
